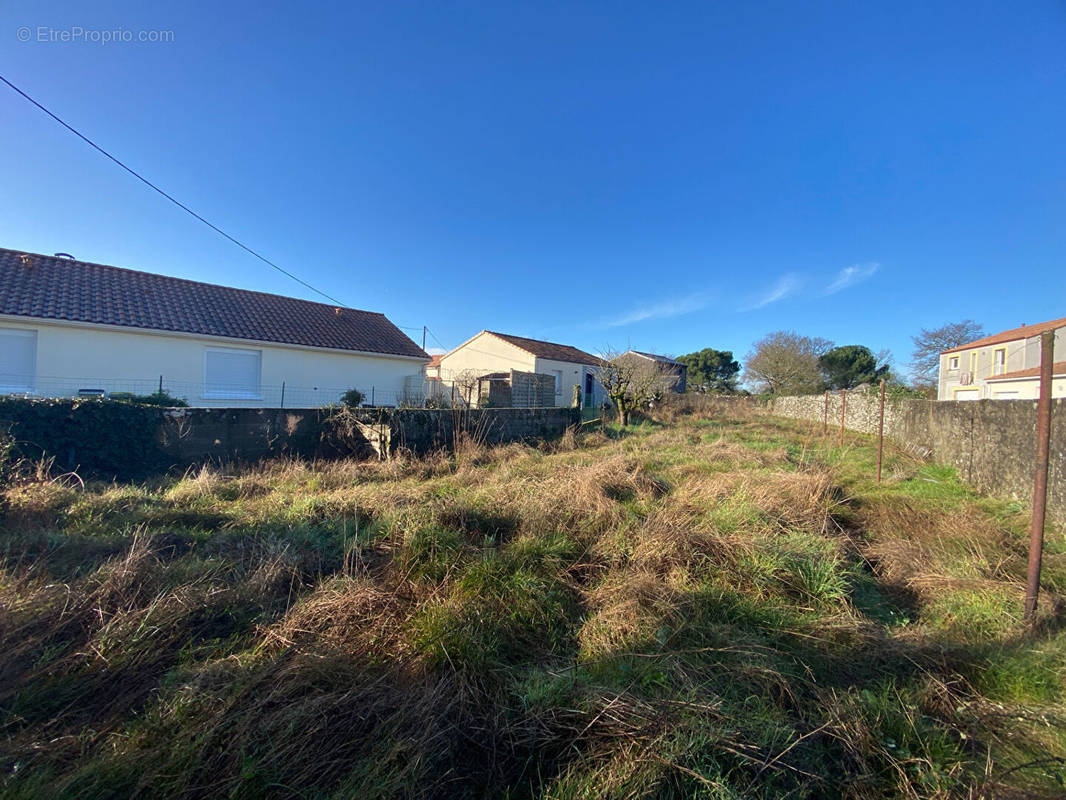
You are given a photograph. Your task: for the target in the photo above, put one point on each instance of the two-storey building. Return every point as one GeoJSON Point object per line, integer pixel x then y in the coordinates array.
{"type": "Point", "coordinates": [1003, 366]}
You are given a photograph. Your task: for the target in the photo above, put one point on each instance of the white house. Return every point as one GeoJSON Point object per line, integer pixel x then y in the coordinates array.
{"type": "Point", "coordinates": [1004, 366]}
{"type": "Point", "coordinates": [70, 328]}
{"type": "Point", "coordinates": [489, 353]}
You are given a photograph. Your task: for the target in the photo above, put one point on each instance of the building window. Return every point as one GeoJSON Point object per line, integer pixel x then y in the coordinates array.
{"type": "Point", "coordinates": [953, 362]}
{"type": "Point", "coordinates": [558, 373]}
{"type": "Point", "coordinates": [999, 361]}
{"type": "Point", "coordinates": [231, 374]}
{"type": "Point", "coordinates": [18, 360]}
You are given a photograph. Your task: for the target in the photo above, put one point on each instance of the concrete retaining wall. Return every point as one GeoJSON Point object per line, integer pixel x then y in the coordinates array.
{"type": "Point", "coordinates": [991, 442]}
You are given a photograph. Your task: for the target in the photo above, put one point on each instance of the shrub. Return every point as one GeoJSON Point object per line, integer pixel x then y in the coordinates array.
{"type": "Point", "coordinates": [158, 398]}
{"type": "Point", "coordinates": [353, 398]}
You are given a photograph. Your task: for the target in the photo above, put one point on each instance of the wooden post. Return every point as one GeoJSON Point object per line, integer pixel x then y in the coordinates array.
{"type": "Point", "coordinates": [1043, 447]}
{"type": "Point", "coordinates": [843, 407]}
{"type": "Point", "coordinates": [825, 415]}
{"type": "Point", "coordinates": [881, 432]}
{"type": "Point", "coordinates": [283, 394]}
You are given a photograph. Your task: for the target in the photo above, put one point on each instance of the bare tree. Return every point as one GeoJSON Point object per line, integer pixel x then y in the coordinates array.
{"type": "Point", "coordinates": [466, 383]}
{"type": "Point", "coordinates": [632, 383]}
{"type": "Point", "coordinates": [931, 342]}
{"type": "Point", "coordinates": [783, 362]}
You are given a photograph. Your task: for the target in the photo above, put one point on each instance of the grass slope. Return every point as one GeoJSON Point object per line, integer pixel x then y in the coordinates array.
{"type": "Point", "coordinates": [721, 608]}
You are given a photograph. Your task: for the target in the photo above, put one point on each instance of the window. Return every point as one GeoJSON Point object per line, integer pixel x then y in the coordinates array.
{"type": "Point", "coordinates": [18, 360]}
{"type": "Point", "coordinates": [968, 394]}
{"type": "Point", "coordinates": [558, 373]}
{"type": "Point", "coordinates": [953, 362]}
{"type": "Point", "coordinates": [1006, 395]}
{"type": "Point", "coordinates": [231, 374]}
{"type": "Point", "coordinates": [999, 361]}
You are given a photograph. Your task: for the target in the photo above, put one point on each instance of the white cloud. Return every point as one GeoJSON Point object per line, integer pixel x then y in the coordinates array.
{"type": "Point", "coordinates": [436, 351]}
{"type": "Point", "coordinates": [661, 310]}
{"type": "Point", "coordinates": [784, 286]}
{"type": "Point", "coordinates": [850, 276]}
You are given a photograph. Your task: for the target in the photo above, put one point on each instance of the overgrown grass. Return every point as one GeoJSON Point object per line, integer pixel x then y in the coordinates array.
{"type": "Point", "coordinates": [725, 607]}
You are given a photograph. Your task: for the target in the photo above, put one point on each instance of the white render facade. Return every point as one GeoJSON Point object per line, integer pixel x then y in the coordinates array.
{"type": "Point", "coordinates": [972, 372]}
{"type": "Point", "coordinates": [54, 358]}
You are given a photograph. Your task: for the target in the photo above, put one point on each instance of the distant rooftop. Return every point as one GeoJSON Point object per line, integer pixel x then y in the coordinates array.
{"type": "Point", "coordinates": [655, 357]}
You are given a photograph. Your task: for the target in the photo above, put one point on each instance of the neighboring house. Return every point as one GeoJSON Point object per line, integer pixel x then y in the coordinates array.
{"type": "Point", "coordinates": [70, 328]}
{"type": "Point", "coordinates": [668, 365]}
{"type": "Point", "coordinates": [1024, 384]}
{"type": "Point", "coordinates": [998, 366]}
{"type": "Point", "coordinates": [433, 368]}
{"type": "Point", "coordinates": [490, 353]}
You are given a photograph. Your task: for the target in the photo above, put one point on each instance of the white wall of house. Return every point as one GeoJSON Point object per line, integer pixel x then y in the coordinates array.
{"type": "Point", "coordinates": [568, 375]}
{"type": "Point", "coordinates": [978, 364]}
{"type": "Point", "coordinates": [483, 354]}
{"type": "Point", "coordinates": [72, 356]}
{"type": "Point", "coordinates": [1023, 388]}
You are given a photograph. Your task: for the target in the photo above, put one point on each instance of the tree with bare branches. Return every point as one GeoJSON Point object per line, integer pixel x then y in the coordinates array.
{"type": "Point", "coordinates": [632, 383]}
{"type": "Point", "coordinates": [784, 362]}
{"type": "Point", "coordinates": [466, 383]}
{"type": "Point", "coordinates": [931, 342]}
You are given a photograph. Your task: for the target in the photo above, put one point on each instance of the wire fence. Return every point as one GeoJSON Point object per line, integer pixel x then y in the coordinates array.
{"type": "Point", "coordinates": [216, 395]}
{"type": "Point", "coordinates": [416, 392]}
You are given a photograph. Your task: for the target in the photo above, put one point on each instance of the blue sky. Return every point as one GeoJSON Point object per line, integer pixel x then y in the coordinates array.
{"type": "Point", "coordinates": [667, 176]}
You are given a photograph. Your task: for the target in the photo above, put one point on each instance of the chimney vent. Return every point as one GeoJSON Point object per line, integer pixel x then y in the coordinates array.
{"type": "Point", "coordinates": [27, 260]}
{"type": "Point", "coordinates": [66, 256]}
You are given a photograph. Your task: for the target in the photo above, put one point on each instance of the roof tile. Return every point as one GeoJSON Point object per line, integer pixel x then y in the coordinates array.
{"type": "Point", "coordinates": [556, 352]}
{"type": "Point", "coordinates": [46, 287]}
{"type": "Point", "coordinates": [1024, 332]}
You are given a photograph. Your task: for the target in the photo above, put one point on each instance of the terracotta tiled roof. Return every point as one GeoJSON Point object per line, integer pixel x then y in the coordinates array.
{"type": "Point", "coordinates": [45, 287]}
{"type": "Point", "coordinates": [434, 361]}
{"type": "Point", "coordinates": [1024, 332]}
{"type": "Point", "coordinates": [1058, 368]}
{"type": "Point", "coordinates": [556, 352]}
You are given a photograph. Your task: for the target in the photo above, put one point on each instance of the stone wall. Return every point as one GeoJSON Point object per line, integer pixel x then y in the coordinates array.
{"type": "Point", "coordinates": [422, 431]}
{"type": "Point", "coordinates": [992, 443]}
{"type": "Point", "coordinates": [116, 440]}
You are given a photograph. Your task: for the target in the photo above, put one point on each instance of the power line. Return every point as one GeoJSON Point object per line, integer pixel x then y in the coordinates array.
{"type": "Point", "coordinates": [179, 204]}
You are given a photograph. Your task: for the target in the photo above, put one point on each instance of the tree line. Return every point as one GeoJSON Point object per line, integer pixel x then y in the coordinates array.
{"type": "Point", "coordinates": [786, 362]}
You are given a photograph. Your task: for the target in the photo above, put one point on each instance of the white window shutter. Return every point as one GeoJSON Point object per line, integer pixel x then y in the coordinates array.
{"type": "Point", "coordinates": [18, 360]}
{"type": "Point", "coordinates": [232, 374]}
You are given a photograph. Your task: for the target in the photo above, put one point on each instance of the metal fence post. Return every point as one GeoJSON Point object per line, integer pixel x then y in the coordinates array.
{"type": "Point", "coordinates": [283, 394]}
{"type": "Point", "coordinates": [1043, 447]}
{"type": "Point", "coordinates": [843, 407]}
{"type": "Point", "coordinates": [881, 432]}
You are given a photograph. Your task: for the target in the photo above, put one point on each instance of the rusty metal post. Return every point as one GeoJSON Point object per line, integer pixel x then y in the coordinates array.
{"type": "Point", "coordinates": [825, 415]}
{"type": "Point", "coordinates": [843, 408]}
{"type": "Point", "coordinates": [881, 432]}
{"type": "Point", "coordinates": [1043, 447]}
